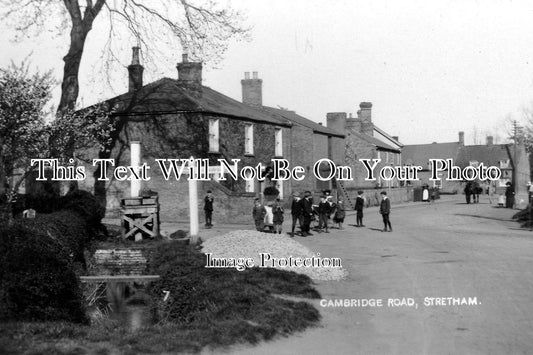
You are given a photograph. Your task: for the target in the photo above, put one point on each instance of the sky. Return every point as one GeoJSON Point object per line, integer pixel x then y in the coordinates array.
{"type": "Point", "coordinates": [430, 68]}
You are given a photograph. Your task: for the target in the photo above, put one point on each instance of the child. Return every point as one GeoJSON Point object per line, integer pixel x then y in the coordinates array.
{"type": "Point", "coordinates": [339, 214]}
{"type": "Point", "coordinates": [359, 205]}
{"type": "Point", "coordinates": [259, 213]}
{"type": "Point", "coordinates": [277, 211]}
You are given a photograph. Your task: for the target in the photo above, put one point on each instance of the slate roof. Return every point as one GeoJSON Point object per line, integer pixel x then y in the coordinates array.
{"type": "Point", "coordinates": [373, 141]}
{"type": "Point", "coordinates": [419, 154]}
{"type": "Point", "coordinates": [170, 96]}
{"type": "Point", "coordinates": [387, 135]}
{"type": "Point", "coordinates": [487, 154]}
{"type": "Point", "coordinates": [295, 118]}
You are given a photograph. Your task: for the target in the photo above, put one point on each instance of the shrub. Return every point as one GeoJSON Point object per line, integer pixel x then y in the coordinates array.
{"type": "Point", "coordinates": [270, 191]}
{"type": "Point", "coordinates": [37, 279]}
{"type": "Point", "coordinates": [239, 306]}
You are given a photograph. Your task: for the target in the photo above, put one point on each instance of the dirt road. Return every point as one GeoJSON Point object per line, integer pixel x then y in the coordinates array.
{"type": "Point", "coordinates": [447, 253]}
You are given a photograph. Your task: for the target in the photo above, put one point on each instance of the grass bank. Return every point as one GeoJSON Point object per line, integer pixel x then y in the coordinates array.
{"type": "Point", "coordinates": [213, 308]}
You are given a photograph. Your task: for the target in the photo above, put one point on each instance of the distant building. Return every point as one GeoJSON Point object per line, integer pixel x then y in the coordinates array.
{"type": "Point", "coordinates": [501, 156]}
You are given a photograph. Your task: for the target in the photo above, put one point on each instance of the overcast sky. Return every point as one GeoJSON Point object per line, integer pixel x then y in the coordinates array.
{"type": "Point", "coordinates": [430, 68]}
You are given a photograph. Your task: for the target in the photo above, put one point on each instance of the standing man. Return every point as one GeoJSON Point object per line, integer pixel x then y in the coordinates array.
{"type": "Point", "coordinates": [296, 212]}
{"type": "Point", "coordinates": [384, 209]}
{"type": "Point", "coordinates": [307, 212]}
{"type": "Point", "coordinates": [509, 195]}
{"type": "Point", "coordinates": [208, 208]}
{"type": "Point", "coordinates": [359, 205]}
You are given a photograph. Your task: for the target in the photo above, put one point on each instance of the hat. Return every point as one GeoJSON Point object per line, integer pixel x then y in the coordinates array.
{"type": "Point", "coordinates": [383, 192]}
{"type": "Point", "coordinates": [308, 193]}
{"type": "Point", "coordinates": [296, 194]}
{"type": "Point", "coordinates": [360, 192]}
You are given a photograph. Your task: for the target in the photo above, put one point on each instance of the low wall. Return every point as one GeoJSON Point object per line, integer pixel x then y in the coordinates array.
{"type": "Point", "coordinates": [373, 196]}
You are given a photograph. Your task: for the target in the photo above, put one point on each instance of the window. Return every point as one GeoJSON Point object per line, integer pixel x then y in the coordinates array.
{"type": "Point", "coordinates": [249, 139]}
{"type": "Point", "coordinates": [250, 184]}
{"type": "Point", "coordinates": [213, 135]}
{"type": "Point", "coordinates": [278, 150]}
{"type": "Point", "coordinates": [398, 159]}
{"type": "Point", "coordinates": [379, 154]}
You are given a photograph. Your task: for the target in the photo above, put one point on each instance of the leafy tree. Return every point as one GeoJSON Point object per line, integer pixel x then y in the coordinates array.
{"type": "Point", "coordinates": [202, 29]}
{"type": "Point", "coordinates": [25, 134]}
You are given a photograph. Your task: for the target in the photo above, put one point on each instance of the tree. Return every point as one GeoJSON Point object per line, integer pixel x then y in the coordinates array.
{"type": "Point", "coordinates": [201, 29]}
{"type": "Point", "coordinates": [25, 134]}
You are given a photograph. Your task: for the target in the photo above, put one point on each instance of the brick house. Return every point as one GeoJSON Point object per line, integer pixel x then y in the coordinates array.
{"type": "Point", "coordinates": [309, 140]}
{"type": "Point", "coordinates": [364, 140]}
{"type": "Point", "coordinates": [183, 118]}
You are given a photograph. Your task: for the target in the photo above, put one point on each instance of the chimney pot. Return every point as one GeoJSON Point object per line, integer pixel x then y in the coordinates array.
{"type": "Point", "coordinates": [185, 58]}
{"type": "Point", "coordinates": [350, 115]}
{"type": "Point", "coordinates": [135, 55]}
{"type": "Point", "coordinates": [246, 75]}
{"type": "Point", "coordinates": [396, 138]}
{"type": "Point", "coordinates": [254, 75]}
{"type": "Point", "coordinates": [490, 140]}
{"type": "Point", "coordinates": [462, 138]}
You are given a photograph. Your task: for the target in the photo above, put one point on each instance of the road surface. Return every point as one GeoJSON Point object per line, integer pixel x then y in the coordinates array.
{"type": "Point", "coordinates": [460, 278]}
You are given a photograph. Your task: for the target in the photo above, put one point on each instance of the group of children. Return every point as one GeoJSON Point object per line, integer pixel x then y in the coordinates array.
{"type": "Point", "coordinates": [303, 212]}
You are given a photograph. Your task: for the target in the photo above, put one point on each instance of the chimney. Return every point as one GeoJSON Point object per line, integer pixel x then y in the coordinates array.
{"type": "Point", "coordinates": [252, 90]}
{"type": "Point", "coordinates": [336, 121]}
{"type": "Point", "coordinates": [461, 138]}
{"type": "Point", "coordinates": [365, 117]}
{"type": "Point", "coordinates": [189, 73]}
{"type": "Point", "coordinates": [490, 140]}
{"type": "Point", "coordinates": [135, 71]}
{"type": "Point", "coordinates": [396, 138]}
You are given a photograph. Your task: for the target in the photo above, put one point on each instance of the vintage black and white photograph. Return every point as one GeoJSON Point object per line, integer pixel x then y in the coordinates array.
{"type": "Point", "coordinates": [266, 177]}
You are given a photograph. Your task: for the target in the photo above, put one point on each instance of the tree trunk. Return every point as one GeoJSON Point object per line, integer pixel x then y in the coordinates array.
{"type": "Point", "coordinates": [81, 25]}
{"type": "Point", "coordinates": [70, 84]}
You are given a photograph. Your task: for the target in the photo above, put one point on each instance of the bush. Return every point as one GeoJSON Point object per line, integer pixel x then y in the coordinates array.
{"type": "Point", "coordinates": [85, 204]}
{"type": "Point", "coordinates": [37, 278]}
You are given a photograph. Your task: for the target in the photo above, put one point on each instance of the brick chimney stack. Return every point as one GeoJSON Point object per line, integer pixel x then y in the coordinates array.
{"type": "Point", "coordinates": [189, 72]}
{"type": "Point", "coordinates": [252, 90]}
{"type": "Point", "coordinates": [490, 140]}
{"type": "Point", "coordinates": [336, 121]}
{"type": "Point", "coordinates": [461, 138]}
{"type": "Point", "coordinates": [365, 117]}
{"type": "Point", "coordinates": [135, 71]}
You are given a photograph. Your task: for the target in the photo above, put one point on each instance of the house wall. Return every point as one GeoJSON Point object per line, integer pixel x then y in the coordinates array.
{"type": "Point", "coordinates": [181, 136]}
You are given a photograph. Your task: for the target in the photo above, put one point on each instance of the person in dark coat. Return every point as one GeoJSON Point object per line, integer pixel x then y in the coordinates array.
{"type": "Point", "coordinates": [324, 210]}
{"type": "Point", "coordinates": [208, 208]}
{"type": "Point", "coordinates": [359, 205]}
{"type": "Point", "coordinates": [296, 212]}
{"type": "Point", "coordinates": [258, 213]}
{"type": "Point", "coordinates": [509, 195]}
{"type": "Point", "coordinates": [340, 214]}
{"type": "Point", "coordinates": [384, 209]}
{"type": "Point", "coordinates": [468, 191]}
{"type": "Point", "coordinates": [307, 212]}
